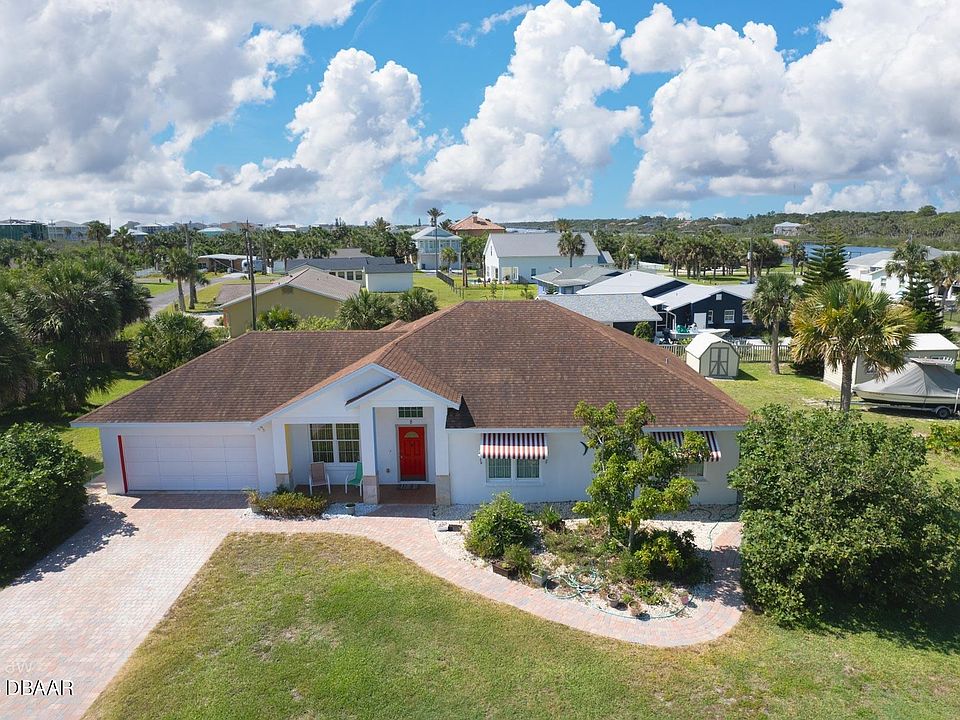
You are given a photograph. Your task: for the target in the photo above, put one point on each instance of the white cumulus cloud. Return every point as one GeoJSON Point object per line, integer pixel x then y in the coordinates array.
{"type": "Point", "coordinates": [539, 132]}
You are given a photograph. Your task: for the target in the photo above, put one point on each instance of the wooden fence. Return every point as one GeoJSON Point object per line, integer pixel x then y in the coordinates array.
{"type": "Point", "coordinates": [747, 353]}
{"type": "Point", "coordinates": [451, 281]}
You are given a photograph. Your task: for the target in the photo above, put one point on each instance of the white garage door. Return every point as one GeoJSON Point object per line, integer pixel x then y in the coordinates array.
{"type": "Point", "coordinates": [190, 462]}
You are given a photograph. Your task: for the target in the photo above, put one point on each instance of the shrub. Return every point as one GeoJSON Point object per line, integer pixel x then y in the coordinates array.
{"type": "Point", "coordinates": [498, 524]}
{"type": "Point", "coordinates": [415, 303]}
{"type": "Point", "coordinates": [286, 504]}
{"type": "Point", "coordinates": [277, 318]}
{"type": "Point", "coordinates": [317, 322]}
{"type": "Point", "coordinates": [945, 438]}
{"type": "Point", "coordinates": [518, 557]}
{"type": "Point", "coordinates": [167, 341]}
{"type": "Point", "coordinates": [838, 510]}
{"type": "Point", "coordinates": [42, 494]}
{"type": "Point", "coordinates": [663, 555]}
{"type": "Point", "coordinates": [643, 331]}
{"type": "Point", "coordinates": [551, 519]}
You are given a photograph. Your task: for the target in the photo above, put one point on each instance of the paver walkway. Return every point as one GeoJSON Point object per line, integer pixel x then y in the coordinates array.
{"type": "Point", "coordinates": [80, 613]}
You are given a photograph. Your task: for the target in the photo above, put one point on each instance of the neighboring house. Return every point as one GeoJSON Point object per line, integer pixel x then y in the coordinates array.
{"type": "Point", "coordinates": [872, 268]}
{"type": "Point", "coordinates": [212, 231]}
{"type": "Point", "coordinates": [634, 282]}
{"type": "Point", "coordinates": [349, 253]}
{"type": "Point", "coordinates": [518, 257]}
{"type": "Point", "coordinates": [225, 262]}
{"type": "Point", "coordinates": [376, 274]}
{"type": "Point", "coordinates": [475, 225]}
{"type": "Point", "coordinates": [622, 312]}
{"type": "Point", "coordinates": [567, 281]}
{"type": "Point", "coordinates": [430, 243]}
{"type": "Point", "coordinates": [66, 231]}
{"type": "Point", "coordinates": [712, 356]}
{"type": "Point", "coordinates": [307, 292]}
{"type": "Point", "coordinates": [706, 306]}
{"type": "Point", "coordinates": [12, 229]}
{"type": "Point", "coordinates": [933, 346]}
{"type": "Point", "coordinates": [788, 229]}
{"type": "Point", "coordinates": [443, 402]}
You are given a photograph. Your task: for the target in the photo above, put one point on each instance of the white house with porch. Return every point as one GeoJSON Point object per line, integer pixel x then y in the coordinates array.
{"type": "Point", "coordinates": [440, 406]}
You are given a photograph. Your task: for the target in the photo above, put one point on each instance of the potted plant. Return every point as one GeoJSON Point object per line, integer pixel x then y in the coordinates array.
{"type": "Point", "coordinates": [685, 598]}
{"type": "Point", "coordinates": [351, 508]}
{"type": "Point", "coordinates": [540, 575]}
{"type": "Point", "coordinates": [502, 567]}
{"type": "Point", "coordinates": [613, 599]}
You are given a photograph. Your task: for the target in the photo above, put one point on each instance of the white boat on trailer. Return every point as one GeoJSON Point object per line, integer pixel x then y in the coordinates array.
{"type": "Point", "coordinates": [931, 385]}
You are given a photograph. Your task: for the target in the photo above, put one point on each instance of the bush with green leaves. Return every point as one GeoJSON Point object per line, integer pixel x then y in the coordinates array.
{"type": "Point", "coordinates": [497, 525]}
{"type": "Point", "coordinates": [416, 303]}
{"type": "Point", "coordinates": [286, 504]}
{"type": "Point", "coordinates": [643, 331]}
{"type": "Point", "coordinates": [945, 438]}
{"type": "Point", "coordinates": [168, 341]}
{"type": "Point", "coordinates": [837, 510]}
{"type": "Point", "coordinates": [518, 558]}
{"type": "Point", "coordinates": [664, 555]}
{"type": "Point", "coordinates": [550, 518]}
{"type": "Point", "coordinates": [278, 318]}
{"type": "Point", "coordinates": [42, 494]}
{"type": "Point", "coordinates": [318, 322]}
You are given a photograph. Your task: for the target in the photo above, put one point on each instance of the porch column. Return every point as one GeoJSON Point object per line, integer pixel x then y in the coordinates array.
{"type": "Point", "coordinates": [441, 460]}
{"type": "Point", "coordinates": [281, 453]}
{"type": "Point", "coordinates": [368, 456]}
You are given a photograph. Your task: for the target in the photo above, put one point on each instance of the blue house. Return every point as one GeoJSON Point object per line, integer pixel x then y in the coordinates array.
{"type": "Point", "coordinates": [430, 242]}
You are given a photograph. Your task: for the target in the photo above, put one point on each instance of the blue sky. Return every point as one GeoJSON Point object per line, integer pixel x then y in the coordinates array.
{"type": "Point", "coordinates": [306, 110]}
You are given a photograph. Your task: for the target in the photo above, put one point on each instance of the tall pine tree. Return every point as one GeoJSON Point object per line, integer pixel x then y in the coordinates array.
{"type": "Point", "coordinates": [919, 298]}
{"type": "Point", "coordinates": [826, 263]}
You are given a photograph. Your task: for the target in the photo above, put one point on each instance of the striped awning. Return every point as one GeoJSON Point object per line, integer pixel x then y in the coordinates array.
{"type": "Point", "coordinates": [676, 437]}
{"type": "Point", "coordinates": [520, 445]}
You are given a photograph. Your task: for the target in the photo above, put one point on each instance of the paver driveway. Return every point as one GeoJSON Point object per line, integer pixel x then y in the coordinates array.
{"type": "Point", "coordinates": [80, 613]}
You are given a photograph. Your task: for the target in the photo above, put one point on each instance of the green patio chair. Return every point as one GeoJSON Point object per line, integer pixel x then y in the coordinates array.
{"type": "Point", "coordinates": [355, 481]}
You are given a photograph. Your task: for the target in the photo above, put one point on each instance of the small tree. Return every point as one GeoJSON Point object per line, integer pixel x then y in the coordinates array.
{"type": "Point", "coordinates": [643, 331]}
{"type": "Point", "coordinates": [448, 256]}
{"type": "Point", "coordinates": [770, 306]}
{"type": "Point", "coordinates": [416, 303]}
{"type": "Point", "coordinates": [636, 478]}
{"type": "Point", "coordinates": [365, 311]}
{"type": "Point", "coordinates": [827, 264]}
{"type": "Point", "coordinates": [278, 318]}
{"type": "Point", "coordinates": [571, 245]}
{"type": "Point", "coordinates": [167, 341]}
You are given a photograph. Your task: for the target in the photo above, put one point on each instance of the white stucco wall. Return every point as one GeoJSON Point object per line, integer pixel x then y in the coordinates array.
{"type": "Point", "coordinates": [387, 282]}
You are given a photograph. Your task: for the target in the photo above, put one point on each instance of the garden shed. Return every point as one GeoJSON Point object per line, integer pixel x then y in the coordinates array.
{"type": "Point", "coordinates": [712, 356]}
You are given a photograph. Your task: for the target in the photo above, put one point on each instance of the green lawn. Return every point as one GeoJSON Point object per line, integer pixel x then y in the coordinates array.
{"type": "Point", "coordinates": [756, 386]}
{"type": "Point", "coordinates": [320, 626]}
{"type": "Point", "coordinates": [447, 297]}
{"type": "Point", "coordinates": [157, 288]}
{"type": "Point", "coordinates": [86, 440]}
{"type": "Point", "coordinates": [735, 278]}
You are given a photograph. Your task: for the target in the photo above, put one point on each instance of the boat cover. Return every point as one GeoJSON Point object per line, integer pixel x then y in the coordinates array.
{"type": "Point", "coordinates": [917, 379]}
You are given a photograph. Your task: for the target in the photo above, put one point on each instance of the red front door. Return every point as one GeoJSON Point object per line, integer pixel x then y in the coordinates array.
{"type": "Point", "coordinates": [413, 454]}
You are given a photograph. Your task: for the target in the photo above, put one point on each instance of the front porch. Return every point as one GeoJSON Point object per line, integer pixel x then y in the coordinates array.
{"type": "Point", "coordinates": [395, 494]}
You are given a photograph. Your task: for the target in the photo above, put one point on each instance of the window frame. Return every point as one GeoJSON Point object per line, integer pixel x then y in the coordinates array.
{"type": "Point", "coordinates": [340, 441]}
{"type": "Point", "coordinates": [410, 412]}
{"type": "Point", "coordinates": [690, 471]}
{"type": "Point", "coordinates": [498, 462]}
{"type": "Point", "coordinates": [732, 312]}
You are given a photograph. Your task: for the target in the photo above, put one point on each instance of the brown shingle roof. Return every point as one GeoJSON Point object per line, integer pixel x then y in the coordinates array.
{"type": "Point", "coordinates": [307, 278]}
{"type": "Point", "coordinates": [514, 364]}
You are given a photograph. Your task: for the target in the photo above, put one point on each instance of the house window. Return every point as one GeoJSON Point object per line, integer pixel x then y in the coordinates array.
{"type": "Point", "coordinates": [528, 469]}
{"type": "Point", "coordinates": [694, 471]}
{"type": "Point", "coordinates": [410, 412]}
{"type": "Point", "coordinates": [499, 468]}
{"type": "Point", "coordinates": [348, 442]}
{"type": "Point", "coordinates": [321, 441]}
{"type": "Point", "coordinates": [533, 271]}
{"type": "Point", "coordinates": [709, 318]}
{"type": "Point", "coordinates": [335, 443]}
{"type": "Point", "coordinates": [746, 315]}
{"type": "Point", "coordinates": [729, 317]}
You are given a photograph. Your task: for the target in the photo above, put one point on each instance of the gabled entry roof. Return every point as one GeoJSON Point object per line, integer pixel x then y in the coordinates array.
{"type": "Point", "coordinates": [500, 364]}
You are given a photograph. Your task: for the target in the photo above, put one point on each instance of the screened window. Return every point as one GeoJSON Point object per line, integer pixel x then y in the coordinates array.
{"type": "Point", "coordinates": [528, 469]}
{"type": "Point", "coordinates": [498, 468]}
{"type": "Point", "coordinates": [348, 442]}
{"type": "Point", "coordinates": [694, 471]}
{"type": "Point", "coordinates": [321, 441]}
{"type": "Point", "coordinates": [410, 412]}
{"type": "Point", "coordinates": [335, 443]}
{"type": "Point", "coordinates": [729, 317]}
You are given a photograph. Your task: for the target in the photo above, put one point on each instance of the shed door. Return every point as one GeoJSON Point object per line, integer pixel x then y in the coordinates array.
{"type": "Point", "coordinates": [190, 462]}
{"type": "Point", "coordinates": [719, 362]}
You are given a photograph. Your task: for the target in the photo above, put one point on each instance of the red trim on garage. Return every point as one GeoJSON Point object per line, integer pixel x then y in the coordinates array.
{"type": "Point", "coordinates": [123, 465]}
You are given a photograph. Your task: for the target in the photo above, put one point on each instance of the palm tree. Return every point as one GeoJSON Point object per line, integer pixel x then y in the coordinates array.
{"type": "Point", "coordinates": [178, 265]}
{"type": "Point", "coordinates": [798, 253]}
{"type": "Point", "coordinates": [96, 230]}
{"type": "Point", "coordinates": [909, 260]}
{"type": "Point", "coordinates": [365, 311]}
{"type": "Point", "coordinates": [448, 256]}
{"type": "Point", "coordinates": [562, 225]}
{"type": "Point", "coordinates": [947, 274]}
{"type": "Point", "coordinates": [435, 214]}
{"type": "Point", "coordinates": [770, 306]}
{"type": "Point", "coordinates": [416, 303]}
{"type": "Point", "coordinates": [570, 245]}
{"type": "Point", "coordinates": [121, 238]}
{"type": "Point", "coordinates": [841, 321]}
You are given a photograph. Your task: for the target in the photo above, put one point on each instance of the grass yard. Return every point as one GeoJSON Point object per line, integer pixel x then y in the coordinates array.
{"type": "Point", "coordinates": [756, 386]}
{"type": "Point", "coordinates": [311, 626]}
{"type": "Point", "coordinates": [157, 288]}
{"type": "Point", "coordinates": [86, 440]}
{"type": "Point", "coordinates": [735, 278]}
{"type": "Point", "coordinates": [447, 297]}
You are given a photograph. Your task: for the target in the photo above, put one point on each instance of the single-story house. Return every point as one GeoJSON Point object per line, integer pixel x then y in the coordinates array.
{"type": "Point", "coordinates": [519, 257]}
{"type": "Point", "coordinates": [442, 402]}
{"type": "Point", "coordinates": [430, 242]}
{"type": "Point", "coordinates": [307, 292]}
{"type": "Point", "coordinates": [376, 274]}
{"type": "Point", "coordinates": [634, 282]}
{"type": "Point", "coordinates": [933, 346]}
{"type": "Point", "coordinates": [872, 268]}
{"type": "Point", "coordinates": [706, 306]}
{"type": "Point", "coordinates": [567, 280]}
{"type": "Point", "coordinates": [788, 229]}
{"type": "Point", "coordinates": [622, 312]}
{"type": "Point", "coordinates": [225, 262]}
{"type": "Point", "coordinates": [712, 356]}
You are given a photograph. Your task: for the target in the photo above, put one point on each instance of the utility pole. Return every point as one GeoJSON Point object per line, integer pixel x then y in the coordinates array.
{"type": "Point", "coordinates": [750, 259]}
{"type": "Point", "coordinates": [253, 282]}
